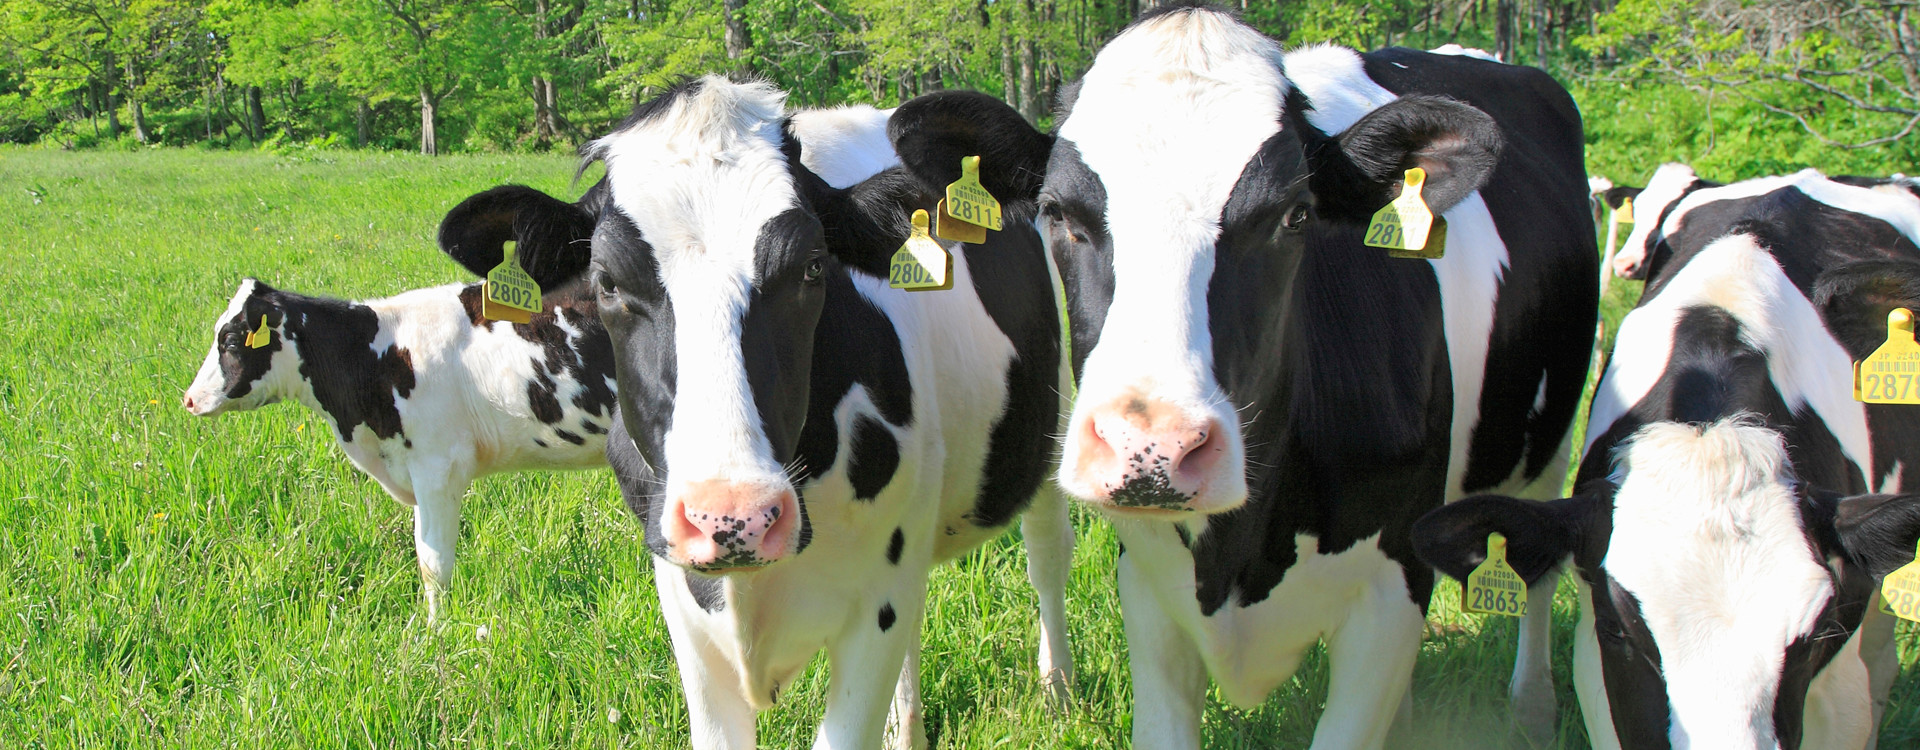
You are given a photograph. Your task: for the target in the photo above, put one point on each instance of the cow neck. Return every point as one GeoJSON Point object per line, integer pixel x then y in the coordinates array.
{"type": "Point", "coordinates": [340, 375]}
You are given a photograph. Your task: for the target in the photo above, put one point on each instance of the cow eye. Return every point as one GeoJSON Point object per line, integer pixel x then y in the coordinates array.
{"type": "Point", "coordinates": [1296, 216]}
{"type": "Point", "coordinates": [1051, 210]}
{"type": "Point", "coordinates": [815, 267]}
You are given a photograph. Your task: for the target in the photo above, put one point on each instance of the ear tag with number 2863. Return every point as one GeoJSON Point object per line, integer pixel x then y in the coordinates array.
{"type": "Point", "coordinates": [510, 294]}
{"type": "Point", "coordinates": [1891, 374]}
{"type": "Point", "coordinates": [920, 265]}
{"type": "Point", "coordinates": [1406, 227]}
{"type": "Point", "coordinates": [1493, 588]}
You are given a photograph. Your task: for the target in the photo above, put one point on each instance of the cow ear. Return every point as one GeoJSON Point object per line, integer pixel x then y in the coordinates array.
{"type": "Point", "coordinates": [1855, 299]}
{"type": "Point", "coordinates": [552, 237]}
{"type": "Point", "coordinates": [1362, 169]}
{"type": "Point", "coordinates": [1618, 195]}
{"type": "Point", "coordinates": [932, 133]}
{"type": "Point", "coordinates": [1878, 531]}
{"type": "Point", "coordinates": [1453, 538]}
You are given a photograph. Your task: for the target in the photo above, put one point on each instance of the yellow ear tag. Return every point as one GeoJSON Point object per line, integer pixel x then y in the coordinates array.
{"type": "Point", "coordinates": [1891, 374]}
{"type": "Point", "coordinates": [1624, 214]}
{"type": "Point", "coordinates": [1405, 226]}
{"type": "Point", "coordinates": [921, 265]}
{"type": "Point", "coordinates": [510, 294]}
{"type": "Point", "coordinates": [946, 227]}
{"type": "Point", "coordinates": [1493, 588]}
{"type": "Point", "coordinates": [259, 339]}
{"type": "Point", "coordinates": [969, 200]}
{"type": "Point", "coordinates": [1901, 591]}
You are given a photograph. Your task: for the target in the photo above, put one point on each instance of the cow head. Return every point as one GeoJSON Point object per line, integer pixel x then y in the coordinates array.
{"type": "Point", "coordinates": [1719, 585]}
{"type": "Point", "coordinates": [1651, 207]}
{"type": "Point", "coordinates": [246, 368]}
{"type": "Point", "coordinates": [1183, 186]}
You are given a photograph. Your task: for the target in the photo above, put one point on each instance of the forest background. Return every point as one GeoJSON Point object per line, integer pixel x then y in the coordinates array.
{"type": "Point", "coordinates": [1738, 88]}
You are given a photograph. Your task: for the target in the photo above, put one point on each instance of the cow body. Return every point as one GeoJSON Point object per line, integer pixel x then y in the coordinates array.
{"type": "Point", "coordinates": [1709, 533]}
{"type": "Point", "coordinates": [421, 392]}
{"type": "Point", "coordinates": [1264, 404]}
{"type": "Point", "coordinates": [804, 443]}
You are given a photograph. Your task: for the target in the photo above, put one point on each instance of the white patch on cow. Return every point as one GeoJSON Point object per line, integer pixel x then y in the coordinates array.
{"type": "Point", "coordinates": [1707, 536]}
{"type": "Point", "coordinates": [844, 145]}
{"type": "Point", "coordinates": [1451, 48]}
{"type": "Point", "coordinates": [1889, 482]}
{"type": "Point", "coordinates": [1666, 185]}
{"type": "Point", "coordinates": [1335, 80]}
{"type": "Point", "coordinates": [1589, 679]}
{"type": "Point", "coordinates": [1735, 274]}
{"type": "Point", "coordinates": [1897, 207]}
{"type": "Point", "coordinates": [700, 180]}
{"type": "Point", "coordinates": [1598, 185]}
{"type": "Point", "coordinates": [1169, 78]}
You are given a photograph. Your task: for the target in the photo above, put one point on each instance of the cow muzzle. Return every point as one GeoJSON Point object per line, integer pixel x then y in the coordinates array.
{"type": "Point", "coordinates": [1142, 457]}
{"type": "Point", "coordinates": [720, 526]}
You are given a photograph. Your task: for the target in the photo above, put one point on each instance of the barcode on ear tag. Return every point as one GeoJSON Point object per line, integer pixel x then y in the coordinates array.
{"type": "Point", "coordinates": [1891, 374]}
{"type": "Point", "coordinates": [1493, 588]}
{"type": "Point", "coordinates": [949, 228]}
{"type": "Point", "coordinates": [1405, 223]}
{"type": "Point", "coordinates": [921, 264]}
{"type": "Point", "coordinates": [1901, 591]}
{"type": "Point", "coordinates": [509, 294]}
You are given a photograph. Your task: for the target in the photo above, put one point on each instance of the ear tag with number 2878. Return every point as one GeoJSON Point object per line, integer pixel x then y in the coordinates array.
{"type": "Point", "coordinates": [1494, 588]}
{"type": "Point", "coordinates": [920, 265]}
{"type": "Point", "coordinates": [1406, 227]}
{"type": "Point", "coordinates": [510, 294]}
{"type": "Point", "coordinates": [1900, 592]}
{"type": "Point", "coordinates": [1891, 374]}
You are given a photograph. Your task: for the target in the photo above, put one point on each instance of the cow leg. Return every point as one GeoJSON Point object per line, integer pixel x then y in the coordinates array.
{"type": "Point", "coordinates": [1530, 697]}
{"type": "Point", "coordinates": [867, 667]}
{"type": "Point", "coordinates": [1049, 535]}
{"type": "Point", "coordinates": [1882, 656]}
{"type": "Point", "coordinates": [1371, 659]}
{"type": "Point", "coordinates": [436, 529]}
{"type": "Point", "coordinates": [1169, 677]}
{"type": "Point", "coordinates": [906, 722]}
{"type": "Point", "coordinates": [720, 717]}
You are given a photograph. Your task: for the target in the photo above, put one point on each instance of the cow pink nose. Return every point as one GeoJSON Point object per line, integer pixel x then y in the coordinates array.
{"type": "Point", "coordinates": [187, 401]}
{"type": "Point", "coordinates": [717, 525]}
{"type": "Point", "coordinates": [1149, 455]}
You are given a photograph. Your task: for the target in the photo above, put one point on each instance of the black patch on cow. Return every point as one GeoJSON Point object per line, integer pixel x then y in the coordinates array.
{"type": "Point", "coordinates": [408, 443]}
{"type": "Point", "coordinates": [895, 545]}
{"type": "Point", "coordinates": [242, 366]}
{"type": "Point", "coordinates": [1804, 235]}
{"type": "Point", "coordinates": [569, 437]}
{"type": "Point", "coordinates": [853, 343]}
{"type": "Point", "coordinates": [472, 300]}
{"type": "Point", "coordinates": [886, 617]}
{"type": "Point", "coordinates": [592, 428]}
{"type": "Point", "coordinates": [1073, 213]}
{"type": "Point", "coordinates": [334, 339]}
{"type": "Point", "coordinates": [539, 442]}
{"type": "Point", "coordinates": [708, 592]}
{"type": "Point", "coordinates": [876, 455]}
{"type": "Point", "coordinates": [1011, 280]}
{"type": "Point", "coordinates": [1838, 620]}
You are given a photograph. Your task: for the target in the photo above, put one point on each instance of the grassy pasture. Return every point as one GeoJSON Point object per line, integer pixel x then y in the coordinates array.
{"type": "Point", "coordinates": [177, 582]}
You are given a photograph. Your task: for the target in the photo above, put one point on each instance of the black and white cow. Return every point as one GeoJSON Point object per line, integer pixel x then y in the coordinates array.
{"type": "Point", "coordinates": [423, 394]}
{"type": "Point", "coordinates": [1724, 578]}
{"type": "Point", "coordinates": [801, 442]}
{"type": "Point", "coordinates": [1265, 405]}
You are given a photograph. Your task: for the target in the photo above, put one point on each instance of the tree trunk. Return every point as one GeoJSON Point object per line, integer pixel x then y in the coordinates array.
{"type": "Point", "coordinates": [256, 116]}
{"type": "Point", "coordinates": [362, 123]}
{"type": "Point", "coordinates": [427, 144]}
{"type": "Point", "coordinates": [113, 107]}
{"type": "Point", "coordinates": [1540, 26]}
{"type": "Point", "coordinates": [738, 43]}
{"type": "Point", "coordinates": [1008, 84]}
{"type": "Point", "coordinates": [543, 96]}
{"type": "Point", "coordinates": [1029, 91]}
{"type": "Point", "coordinates": [1503, 31]}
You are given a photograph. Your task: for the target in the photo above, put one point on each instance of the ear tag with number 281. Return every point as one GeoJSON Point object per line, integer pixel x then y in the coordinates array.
{"type": "Point", "coordinates": [1494, 588]}
{"type": "Point", "coordinates": [920, 265]}
{"type": "Point", "coordinates": [261, 338]}
{"type": "Point", "coordinates": [1891, 374]}
{"type": "Point", "coordinates": [510, 295]}
{"type": "Point", "coordinates": [1406, 227]}
{"type": "Point", "coordinates": [969, 201]}
{"type": "Point", "coordinates": [1900, 592]}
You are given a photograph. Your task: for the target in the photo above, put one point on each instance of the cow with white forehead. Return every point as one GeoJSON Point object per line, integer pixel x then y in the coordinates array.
{"type": "Point", "coordinates": [802, 442]}
{"type": "Point", "coordinates": [1265, 404]}
{"type": "Point", "coordinates": [1725, 542]}
{"type": "Point", "coordinates": [422, 392]}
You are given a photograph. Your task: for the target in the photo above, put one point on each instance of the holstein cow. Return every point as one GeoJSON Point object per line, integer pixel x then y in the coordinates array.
{"type": "Point", "coordinates": [1723, 576]}
{"type": "Point", "coordinates": [423, 394]}
{"type": "Point", "coordinates": [801, 442]}
{"type": "Point", "coordinates": [1265, 405]}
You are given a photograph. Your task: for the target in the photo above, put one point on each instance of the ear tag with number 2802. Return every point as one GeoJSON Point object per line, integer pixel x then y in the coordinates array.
{"type": "Point", "coordinates": [261, 338]}
{"type": "Point", "coordinates": [1900, 592]}
{"type": "Point", "coordinates": [510, 295]}
{"type": "Point", "coordinates": [1494, 588]}
{"type": "Point", "coordinates": [921, 264]}
{"type": "Point", "coordinates": [1406, 227]}
{"type": "Point", "coordinates": [1891, 374]}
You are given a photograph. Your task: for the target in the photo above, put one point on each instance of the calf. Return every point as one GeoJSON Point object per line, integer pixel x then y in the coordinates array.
{"type": "Point", "coordinates": [801, 442]}
{"type": "Point", "coordinates": [1265, 405]}
{"type": "Point", "coordinates": [1727, 405]}
{"type": "Point", "coordinates": [422, 393]}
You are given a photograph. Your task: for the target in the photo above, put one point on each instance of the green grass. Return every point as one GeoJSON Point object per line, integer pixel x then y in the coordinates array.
{"type": "Point", "coordinates": [172, 581]}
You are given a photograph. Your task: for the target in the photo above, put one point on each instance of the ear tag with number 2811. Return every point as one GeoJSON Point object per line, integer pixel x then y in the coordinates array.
{"type": "Point", "coordinates": [920, 265]}
{"type": "Point", "coordinates": [261, 338]}
{"type": "Point", "coordinates": [1891, 374]}
{"type": "Point", "coordinates": [1406, 227]}
{"type": "Point", "coordinates": [510, 295]}
{"type": "Point", "coordinates": [969, 201]}
{"type": "Point", "coordinates": [1494, 588]}
{"type": "Point", "coordinates": [1900, 592]}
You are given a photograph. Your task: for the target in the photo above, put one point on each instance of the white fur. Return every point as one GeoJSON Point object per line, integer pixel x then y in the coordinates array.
{"type": "Point", "coordinates": [844, 145]}
{"type": "Point", "coordinates": [1451, 48]}
{"type": "Point", "coordinates": [1663, 189]}
{"type": "Point", "coordinates": [467, 416]}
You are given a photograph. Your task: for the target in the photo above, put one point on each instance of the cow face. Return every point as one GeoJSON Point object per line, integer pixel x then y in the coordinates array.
{"type": "Point", "coordinates": [1718, 585]}
{"type": "Point", "coordinates": [236, 375]}
{"type": "Point", "coordinates": [1651, 207]}
{"type": "Point", "coordinates": [1177, 199]}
